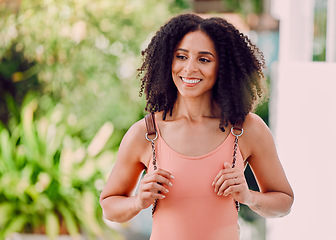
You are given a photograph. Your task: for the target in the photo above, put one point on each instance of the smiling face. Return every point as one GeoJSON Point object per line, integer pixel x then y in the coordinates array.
{"type": "Point", "coordinates": [195, 65]}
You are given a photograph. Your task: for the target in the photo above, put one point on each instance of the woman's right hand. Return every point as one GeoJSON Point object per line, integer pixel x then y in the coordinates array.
{"type": "Point", "coordinates": [153, 185]}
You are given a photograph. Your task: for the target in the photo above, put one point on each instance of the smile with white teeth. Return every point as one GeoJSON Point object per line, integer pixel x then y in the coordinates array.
{"type": "Point", "coordinates": [190, 80]}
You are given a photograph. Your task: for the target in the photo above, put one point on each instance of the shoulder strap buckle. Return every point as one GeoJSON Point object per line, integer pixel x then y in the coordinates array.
{"type": "Point", "coordinates": [150, 125]}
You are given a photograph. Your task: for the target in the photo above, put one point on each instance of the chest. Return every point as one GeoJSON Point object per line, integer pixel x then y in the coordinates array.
{"type": "Point", "coordinates": [193, 139]}
{"type": "Point", "coordinates": [193, 176]}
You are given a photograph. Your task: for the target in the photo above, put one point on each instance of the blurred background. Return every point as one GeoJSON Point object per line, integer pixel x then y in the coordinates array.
{"type": "Point", "coordinates": [69, 91]}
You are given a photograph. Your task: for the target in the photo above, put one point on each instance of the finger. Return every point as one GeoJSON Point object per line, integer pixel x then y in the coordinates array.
{"type": "Point", "coordinates": [157, 187]}
{"type": "Point", "coordinates": [162, 180]}
{"type": "Point", "coordinates": [152, 190]}
{"type": "Point", "coordinates": [223, 179]}
{"type": "Point", "coordinates": [226, 170]}
{"type": "Point", "coordinates": [155, 177]}
{"type": "Point", "coordinates": [152, 195]}
{"type": "Point", "coordinates": [220, 174]}
{"type": "Point", "coordinates": [162, 176]}
{"type": "Point", "coordinates": [227, 165]}
{"type": "Point", "coordinates": [218, 183]}
{"type": "Point", "coordinates": [230, 190]}
{"type": "Point", "coordinates": [164, 173]}
{"type": "Point", "coordinates": [226, 185]}
{"type": "Point", "coordinates": [153, 187]}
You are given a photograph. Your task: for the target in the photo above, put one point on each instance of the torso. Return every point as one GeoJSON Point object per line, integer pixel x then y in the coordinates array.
{"type": "Point", "coordinates": [194, 155]}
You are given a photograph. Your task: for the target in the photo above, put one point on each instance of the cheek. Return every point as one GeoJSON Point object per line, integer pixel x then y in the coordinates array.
{"type": "Point", "coordinates": [176, 67]}
{"type": "Point", "coordinates": [175, 78]}
{"type": "Point", "coordinates": [174, 73]}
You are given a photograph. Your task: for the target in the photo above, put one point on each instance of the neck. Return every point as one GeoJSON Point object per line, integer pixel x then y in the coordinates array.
{"type": "Point", "coordinates": [195, 109]}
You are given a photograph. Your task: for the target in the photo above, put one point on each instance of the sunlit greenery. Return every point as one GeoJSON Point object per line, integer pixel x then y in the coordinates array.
{"type": "Point", "coordinates": [68, 92]}
{"type": "Point", "coordinates": [84, 54]}
{"type": "Point", "coordinates": [320, 30]}
{"type": "Point", "coordinates": [244, 6]}
{"type": "Point", "coordinates": [48, 178]}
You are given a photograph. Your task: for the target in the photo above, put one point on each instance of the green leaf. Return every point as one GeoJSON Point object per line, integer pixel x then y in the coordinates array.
{"type": "Point", "coordinates": [69, 219]}
{"type": "Point", "coordinates": [6, 210]}
{"type": "Point", "coordinates": [15, 225]}
{"type": "Point", "coordinates": [29, 130]}
{"type": "Point", "coordinates": [52, 225]}
{"type": "Point", "coordinates": [6, 149]}
{"type": "Point", "coordinates": [88, 213]}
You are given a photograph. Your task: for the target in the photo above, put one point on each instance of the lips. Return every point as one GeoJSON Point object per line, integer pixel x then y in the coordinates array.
{"type": "Point", "coordinates": [191, 80]}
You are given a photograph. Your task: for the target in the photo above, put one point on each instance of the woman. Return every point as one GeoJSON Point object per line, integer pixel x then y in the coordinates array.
{"type": "Point", "coordinates": [201, 77]}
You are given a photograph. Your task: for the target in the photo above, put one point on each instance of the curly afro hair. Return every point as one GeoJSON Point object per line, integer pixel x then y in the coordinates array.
{"type": "Point", "coordinates": [240, 80]}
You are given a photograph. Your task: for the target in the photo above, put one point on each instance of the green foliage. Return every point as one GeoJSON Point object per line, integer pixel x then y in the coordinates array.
{"type": "Point", "coordinates": [262, 111]}
{"type": "Point", "coordinates": [320, 30]}
{"type": "Point", "coordinates": [49, 176]}
{"type": "Point", "coordinates": [80, 59]}
{"type": "Point", "coordinates": [179, 5]}
{"type": "Point", "coordinates": [16, 79]}
{"type": "Point", "coordinates": [84, 54]}
{"type": "Point", "coordinates": [244, 6]}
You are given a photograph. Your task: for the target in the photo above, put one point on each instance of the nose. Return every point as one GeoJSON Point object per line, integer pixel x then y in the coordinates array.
{"type": "Point", "coordinates": [190, 66]}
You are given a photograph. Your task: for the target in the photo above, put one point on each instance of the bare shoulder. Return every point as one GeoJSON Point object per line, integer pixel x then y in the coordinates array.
{"type": "Point", "coordinates": [254, 126]}
{"type": "Point", "coordinates": [136, 132]}
{"type": "Point", "coordinates": [256, 135]}
{"type": "Point", "coordinates": [134, 141]}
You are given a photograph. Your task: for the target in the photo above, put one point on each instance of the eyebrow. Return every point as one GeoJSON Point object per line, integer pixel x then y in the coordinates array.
{"type": "Point", "coordinates": [201, 52]}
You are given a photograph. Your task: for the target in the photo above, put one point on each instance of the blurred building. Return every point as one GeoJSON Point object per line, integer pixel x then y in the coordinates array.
{"type": "Point", "coordinates": [303, 116]}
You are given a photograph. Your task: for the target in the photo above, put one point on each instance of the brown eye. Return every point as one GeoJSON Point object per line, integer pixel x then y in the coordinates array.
{"type": "Point", "coordinates": [181, 57]}
{"type": "Point", "coordinates": [204, 60]}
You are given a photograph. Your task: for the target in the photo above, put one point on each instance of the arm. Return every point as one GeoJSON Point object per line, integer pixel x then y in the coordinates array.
{"type": "Point", "coordinates": [117, 199]}
{"type": "Point", "coordinates": [276, 196]}
{"type": "Point", "coordinates": [257, 146]}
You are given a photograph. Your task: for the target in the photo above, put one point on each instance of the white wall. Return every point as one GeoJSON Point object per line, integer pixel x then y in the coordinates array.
{"type": "Point", "coordinates": [304, 125]}
{"type": "Point", "coordinates": [303, 120]}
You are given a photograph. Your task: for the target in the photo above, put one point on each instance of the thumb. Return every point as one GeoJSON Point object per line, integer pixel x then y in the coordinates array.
{"type": "Point", "coordinates": [227, 165]}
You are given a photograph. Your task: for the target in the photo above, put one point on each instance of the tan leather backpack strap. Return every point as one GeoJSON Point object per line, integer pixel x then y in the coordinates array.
{"type": "Point", "coordinates": [151, 130]}
{"type": "Point", "coordinates": [150, 123]}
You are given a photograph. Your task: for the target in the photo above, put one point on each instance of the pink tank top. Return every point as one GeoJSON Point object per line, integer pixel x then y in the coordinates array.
{"type": "Point", "coordinates": [191, 209]}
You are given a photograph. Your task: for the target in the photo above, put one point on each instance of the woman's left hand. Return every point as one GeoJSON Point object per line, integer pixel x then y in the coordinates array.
{"type": "Point", "coordinates": [232, 181]}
